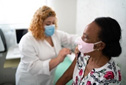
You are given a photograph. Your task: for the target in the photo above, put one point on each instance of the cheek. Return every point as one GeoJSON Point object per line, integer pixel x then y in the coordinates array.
{"type": "Point", "coordinates": [44, 24]}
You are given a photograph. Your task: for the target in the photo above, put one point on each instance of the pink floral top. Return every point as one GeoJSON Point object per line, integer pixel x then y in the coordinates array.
{"type": "Point", "coordinates": [109, 74]}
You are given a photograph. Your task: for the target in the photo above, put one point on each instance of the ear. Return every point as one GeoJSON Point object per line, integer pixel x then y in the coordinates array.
{"type": "Point", "coordinates": [100, 46]}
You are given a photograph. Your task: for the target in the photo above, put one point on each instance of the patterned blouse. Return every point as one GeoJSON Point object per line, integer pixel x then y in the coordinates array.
{"type": "Point", "coordinates": [109, 74]}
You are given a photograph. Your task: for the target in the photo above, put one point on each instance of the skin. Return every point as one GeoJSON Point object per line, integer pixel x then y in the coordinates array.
{"type": "Point", "coordinates": [96, 60]}
{"type": "Point", "coordinates": [63, 52]}
{"type": "Point", "coordinates": [47, 22]}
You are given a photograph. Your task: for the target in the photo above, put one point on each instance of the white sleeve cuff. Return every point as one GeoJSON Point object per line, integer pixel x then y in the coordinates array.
{"type": "Point", "coordinates": [45, 69]}
{"type": "Point", "coordinates": [39, 67]}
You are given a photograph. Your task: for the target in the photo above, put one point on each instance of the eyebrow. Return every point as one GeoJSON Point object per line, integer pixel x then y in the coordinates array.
{"type": "Point", "coordinates": [48, 21]}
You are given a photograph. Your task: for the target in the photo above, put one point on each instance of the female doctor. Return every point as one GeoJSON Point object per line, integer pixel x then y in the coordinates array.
{"type": "Point", "coordinates": [42, 49]}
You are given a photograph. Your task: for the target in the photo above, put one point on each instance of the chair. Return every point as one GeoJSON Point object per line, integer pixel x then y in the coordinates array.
{"type": "Point", "coordinates": [3, 44]}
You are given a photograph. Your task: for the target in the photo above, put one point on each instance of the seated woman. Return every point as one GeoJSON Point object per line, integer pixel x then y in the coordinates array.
{"type": "Point", "coordinates": [94, 65]}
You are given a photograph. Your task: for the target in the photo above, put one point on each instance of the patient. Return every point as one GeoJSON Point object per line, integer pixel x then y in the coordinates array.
{"type": "Point", "coordinates": [94, 62]}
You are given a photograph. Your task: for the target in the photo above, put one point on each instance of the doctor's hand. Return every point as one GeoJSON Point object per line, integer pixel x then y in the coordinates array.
{"type": "Point", "coordinates": [57, 60]}
{"type": "Point", "coordinates": [76, 51]}
{"type": "Point", "coordinates": [62, 54]}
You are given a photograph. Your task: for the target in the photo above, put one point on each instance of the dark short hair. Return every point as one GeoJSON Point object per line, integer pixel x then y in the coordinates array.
{"type": "Point", "coordinates": [110, 34]}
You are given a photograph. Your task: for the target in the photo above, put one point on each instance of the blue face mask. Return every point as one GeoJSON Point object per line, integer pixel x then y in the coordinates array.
{"type": "Point", "coordinates": [49, 30]}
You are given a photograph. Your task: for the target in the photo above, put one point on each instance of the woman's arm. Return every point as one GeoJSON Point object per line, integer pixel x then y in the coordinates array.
{"type": "Point", "coordinates": [67, 40]}
{"type": "Point", "coordinates": [67, 76]}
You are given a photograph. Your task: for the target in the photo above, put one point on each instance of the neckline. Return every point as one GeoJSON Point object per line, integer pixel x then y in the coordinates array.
{"type": "Point", "coordinates": [99, 69]}
{"type": "Point", "coordinates": [94, 69]}
{"type": "Point", "coordinates": [49, 43]}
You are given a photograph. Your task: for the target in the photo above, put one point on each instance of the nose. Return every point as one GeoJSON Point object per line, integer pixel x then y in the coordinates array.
{"type": "Point", "coordinates": [51, 24]}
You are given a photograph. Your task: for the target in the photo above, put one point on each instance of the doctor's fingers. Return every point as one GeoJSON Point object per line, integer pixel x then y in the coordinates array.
{"type": "Point", "coordinates": [76, 51]}
{"type": "Point", "coordinates": [67, 51]}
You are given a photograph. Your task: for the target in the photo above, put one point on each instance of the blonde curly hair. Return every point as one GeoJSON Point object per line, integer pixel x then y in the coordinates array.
{"type": "Point", "coordinates": [36, 26]}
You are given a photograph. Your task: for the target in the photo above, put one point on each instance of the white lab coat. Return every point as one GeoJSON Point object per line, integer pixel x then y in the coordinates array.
{"type": "Point", "coordinates": [33, 68]}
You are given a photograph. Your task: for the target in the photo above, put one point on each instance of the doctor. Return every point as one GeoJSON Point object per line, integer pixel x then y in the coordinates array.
{"type": "Point", "coordinates": [42, 49]}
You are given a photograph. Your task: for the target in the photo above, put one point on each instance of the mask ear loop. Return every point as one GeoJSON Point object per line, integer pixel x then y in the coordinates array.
{"type": "Point", "coordinates": [97, 43]}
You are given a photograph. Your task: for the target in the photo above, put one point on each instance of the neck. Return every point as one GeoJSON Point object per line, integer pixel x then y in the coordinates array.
{"type": "Point", "coordinates": [98, 59]}
{"type": "Point", "coordinates": [47, 37]}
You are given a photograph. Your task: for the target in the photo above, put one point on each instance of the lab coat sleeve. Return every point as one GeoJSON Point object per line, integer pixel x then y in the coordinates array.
{"type": "Point", "coordinates": [30, 58]}
{"type": "Point", "coordinates": [68, 40]}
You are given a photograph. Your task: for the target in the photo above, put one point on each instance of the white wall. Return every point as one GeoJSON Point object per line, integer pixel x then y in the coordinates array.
{"type": "Point", "coordinates": [88, 10]}
{"type": "Point", "coordinates": [66, 14]}
{"type": "Point", "coordinates": [18, 11]}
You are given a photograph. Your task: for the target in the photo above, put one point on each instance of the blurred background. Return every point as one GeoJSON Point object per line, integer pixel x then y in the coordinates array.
{"type": "Point", "coordinates": [73, 16]}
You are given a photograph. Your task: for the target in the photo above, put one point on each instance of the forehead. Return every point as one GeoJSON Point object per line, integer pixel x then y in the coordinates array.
{"type": "Point", "coordinates": [50, 19]}
{"type": "Point", "coordinates": [92, 31]}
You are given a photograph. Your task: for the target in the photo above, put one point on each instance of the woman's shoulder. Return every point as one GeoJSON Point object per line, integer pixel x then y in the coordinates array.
{"type": "Point", "coordinates": [59, 32]}
{"type": "Point", "coordinates": [63, 34]}
{"type": "Point", "coordinates": [110, 71]}
{"type": "Point", "coordinates": [28, 37]}
{"type": "Point", "coordinates": [113, 65]}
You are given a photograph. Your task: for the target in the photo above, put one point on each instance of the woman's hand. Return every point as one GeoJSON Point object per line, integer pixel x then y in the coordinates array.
{"type": "Point", "coordinates": [62, 54]}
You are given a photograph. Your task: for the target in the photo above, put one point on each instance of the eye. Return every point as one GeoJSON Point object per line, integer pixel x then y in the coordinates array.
{"type": "Point", "coordinates": [84, 37]}
{"type": "Point", "coordinates": [47, 24]}
{"type": "Point", "coordinates": [53, 23]}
